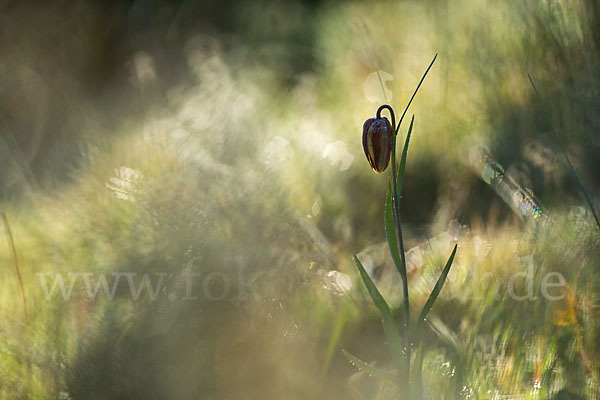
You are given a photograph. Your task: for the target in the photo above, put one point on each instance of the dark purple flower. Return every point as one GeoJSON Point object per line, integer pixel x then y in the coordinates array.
{"type": "Point", "coordinates": [377, 142]}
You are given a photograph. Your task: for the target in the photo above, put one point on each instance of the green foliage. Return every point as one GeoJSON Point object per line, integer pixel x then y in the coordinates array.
{"type": "Point", "coordinates": [390, 232]}
{"type": "Point", "coordinates": [395, 242]}
{"type": "Point", "coordinates": [434, 293]}
{"type": "Point", "coordinates": [389, 324]}
{"type": "Point", "coordinates": [246, 138]}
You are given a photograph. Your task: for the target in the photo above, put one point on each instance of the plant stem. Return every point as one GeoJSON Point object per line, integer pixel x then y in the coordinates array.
{"type": "Point", "coordinates": [398, 225]}
{"type": "Point", "coordinates": [400, 244]}
{"type": "Point", "coordinates": [396, 197]}
{"type": "Point", "coordinates": [13, 253]}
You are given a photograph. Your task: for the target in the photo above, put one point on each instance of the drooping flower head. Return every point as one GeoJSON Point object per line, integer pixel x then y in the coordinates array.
{"type": "Point", "coordinates": [377, 142]}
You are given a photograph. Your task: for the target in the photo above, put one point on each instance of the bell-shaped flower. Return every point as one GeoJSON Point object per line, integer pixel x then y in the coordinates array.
{"type": "Point", "coordinates": [377, 142]}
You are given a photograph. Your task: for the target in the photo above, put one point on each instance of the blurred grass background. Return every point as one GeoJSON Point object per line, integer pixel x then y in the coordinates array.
{"type": "Point", "coordinates": [154, 136]}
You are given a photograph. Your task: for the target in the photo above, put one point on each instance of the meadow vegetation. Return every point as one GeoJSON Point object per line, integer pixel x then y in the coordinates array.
{"type": "Point", "coordinates": [235, 153]}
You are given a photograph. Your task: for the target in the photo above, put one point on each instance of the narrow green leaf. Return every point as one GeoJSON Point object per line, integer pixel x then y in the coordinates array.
{"type": "Point", "coordinates": [416, 382]}
{"type": "Point", "coordinates": [338, 328]}
{"type": "Point", "coordinates": [434, 293]}
{"type": "Point", "coordinates": [373, 371]}
{"type": "Point", "coordinates": [390, 232]}
{"type": "Point", "coordinates": [400, 178]}
{"type": "Point", "coordinates": [415, 93]}
{"type": "Point", "coordinates": [389, 325]}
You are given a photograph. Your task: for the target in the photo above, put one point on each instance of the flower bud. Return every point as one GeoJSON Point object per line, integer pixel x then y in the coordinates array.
{"type": "Point", "coordinates": [377, 142]}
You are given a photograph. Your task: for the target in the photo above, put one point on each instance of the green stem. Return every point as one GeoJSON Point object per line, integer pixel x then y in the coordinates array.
{"type": "Point", "coordinates": [400, 244]}
{"type": "Point", "coordinates": [15, 258]}
{"type": "Point", "coordinates": [396, 197]}
{"type": "Point", "coordinates": [398, 225]}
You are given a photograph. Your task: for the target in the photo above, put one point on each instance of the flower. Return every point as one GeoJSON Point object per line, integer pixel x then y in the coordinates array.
{"type": "Point", "coordinates": [378, 139]}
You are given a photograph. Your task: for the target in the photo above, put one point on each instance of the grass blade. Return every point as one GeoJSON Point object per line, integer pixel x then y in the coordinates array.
{"type": "Point", "coordinates": [390, 232]}
{"type": "Point", "coordinates": [389, 325]}
{"type": "Point", "coordinates": [15, 258]}
{"type": "Point", "coordinates": [373, 371]}
{"type": "Point", "coordinates": [403, 162]}
{"type": "Point", "coordinates": [416, 383]}
{"type": "Point", "coordinates": [435, 292]}
{"type": "Point", "coordinates": [338, 328]}
{"type": "Point", "coordinates": [415, 92]}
